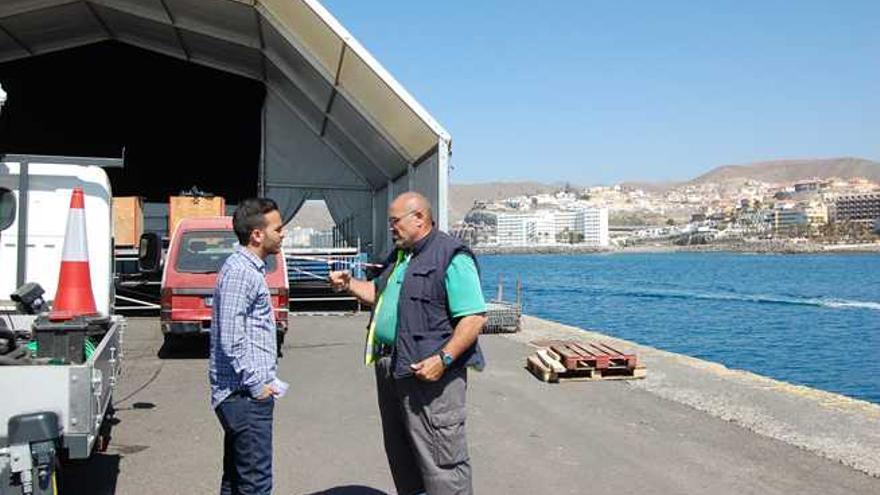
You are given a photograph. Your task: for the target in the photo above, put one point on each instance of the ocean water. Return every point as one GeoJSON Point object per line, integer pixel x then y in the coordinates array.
{"type": "Point", "coordinates": [806, 319]}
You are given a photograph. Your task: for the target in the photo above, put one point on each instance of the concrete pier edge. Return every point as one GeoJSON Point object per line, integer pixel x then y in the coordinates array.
{"type": "Point", "coordinates": [831, 425]}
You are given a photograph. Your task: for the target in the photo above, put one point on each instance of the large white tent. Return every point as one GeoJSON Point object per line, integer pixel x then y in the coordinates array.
{"type": "Point", "coordinates": [336, 125]}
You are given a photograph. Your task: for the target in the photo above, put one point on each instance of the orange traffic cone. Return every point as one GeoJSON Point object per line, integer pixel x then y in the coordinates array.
{"type": "Point", "coordinates": [74, 295]}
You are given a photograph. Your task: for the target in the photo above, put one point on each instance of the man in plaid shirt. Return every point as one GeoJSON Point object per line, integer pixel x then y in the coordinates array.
{"type": "Point", "coordinates": [244, 352]}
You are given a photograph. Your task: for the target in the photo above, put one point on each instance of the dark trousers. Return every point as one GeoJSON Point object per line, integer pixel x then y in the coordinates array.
{"type": "Point", "coordinates": [423, 424]}
{"type": "Point", "coordinates": [247, 445]}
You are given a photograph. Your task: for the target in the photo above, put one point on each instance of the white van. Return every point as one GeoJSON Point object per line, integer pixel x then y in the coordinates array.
{"type": "Point", "coordinates": [48, 186]}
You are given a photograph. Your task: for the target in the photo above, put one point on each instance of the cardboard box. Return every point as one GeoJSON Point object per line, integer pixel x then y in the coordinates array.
{"type": "Point", "coordinates": [128, 220]}
{"type": "Point", "coordinates": [180, 207]}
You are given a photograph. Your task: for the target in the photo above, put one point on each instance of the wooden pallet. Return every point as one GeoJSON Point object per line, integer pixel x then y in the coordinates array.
{"type": "Point", "coordinates": [577, 355]}
{"type": "Point", "coordinates": [545, 374]}
{"type": "Point", "coordinates": [562, 361]}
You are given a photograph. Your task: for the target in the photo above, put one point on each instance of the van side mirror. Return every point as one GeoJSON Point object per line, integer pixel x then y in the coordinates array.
{"type": "Point", "coordinates": [149, 253]}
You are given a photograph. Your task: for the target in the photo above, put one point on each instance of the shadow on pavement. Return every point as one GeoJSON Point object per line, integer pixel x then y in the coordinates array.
{"type": "Point", "coordinates": [185, 347]}
{"type": "Point", "coordinates": [351, 490]}
{"type": "Point", "coordinates": [95, 476]}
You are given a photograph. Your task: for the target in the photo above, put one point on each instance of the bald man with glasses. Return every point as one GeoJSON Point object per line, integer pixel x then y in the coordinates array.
{"type": "Point", "coordinates": [428, 310]}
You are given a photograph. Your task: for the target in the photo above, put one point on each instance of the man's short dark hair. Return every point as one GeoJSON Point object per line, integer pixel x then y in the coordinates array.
{"type": "Point", "coordinates": [249, 215]}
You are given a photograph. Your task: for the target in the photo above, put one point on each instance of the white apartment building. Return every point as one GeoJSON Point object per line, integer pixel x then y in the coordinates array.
{"type": "Point", "coordinates": [595, 227]}
{"type": "Point", "coordinates": [544, 226]}
{"type": "Point", "coordinates": [297, 237]}
{"type": "Point", "coordinates": [515, 229]}
{"type": "Point", "coordinates": [526, 229]}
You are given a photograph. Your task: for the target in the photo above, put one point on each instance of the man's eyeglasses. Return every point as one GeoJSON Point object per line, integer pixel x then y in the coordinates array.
{"type": "Point", "coordinates": [392, 221]}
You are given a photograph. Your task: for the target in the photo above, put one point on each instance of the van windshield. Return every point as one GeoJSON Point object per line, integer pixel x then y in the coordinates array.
{"type": "Point", "coordinates": [205, 251]}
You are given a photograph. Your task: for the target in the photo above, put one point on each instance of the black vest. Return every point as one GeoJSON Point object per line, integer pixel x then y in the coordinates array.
{"type": "Point", "coordinates": [424, 324]}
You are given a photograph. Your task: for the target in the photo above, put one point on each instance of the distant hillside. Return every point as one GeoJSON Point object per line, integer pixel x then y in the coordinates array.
{"type": "Point", "coordinates": [793, 170]}
{"type": "Point", "coordinates": [653, 187]}
{"type": "Point", "coordinates": [462, 196]}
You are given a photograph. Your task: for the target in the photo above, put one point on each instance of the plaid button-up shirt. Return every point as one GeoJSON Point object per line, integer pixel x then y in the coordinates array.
{"type": "Point", "coordinates": [244, 351]}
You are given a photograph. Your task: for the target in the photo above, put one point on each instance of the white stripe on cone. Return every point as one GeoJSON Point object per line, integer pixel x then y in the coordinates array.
{"type": "Point", "coordinates": [74, 294]}
{"type": "Point", "coordinates": [75, 246]}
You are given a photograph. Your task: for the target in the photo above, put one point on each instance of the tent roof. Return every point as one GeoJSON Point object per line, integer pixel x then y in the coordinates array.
{"type": "Point", "coordinates": [303, 55]}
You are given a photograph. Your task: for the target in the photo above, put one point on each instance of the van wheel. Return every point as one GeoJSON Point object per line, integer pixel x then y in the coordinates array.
{"type": "Point", "coordinates": [280, 340]}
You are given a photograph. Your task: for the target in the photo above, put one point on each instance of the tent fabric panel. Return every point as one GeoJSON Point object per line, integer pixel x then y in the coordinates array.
{"type": "Point", "coordinates": [226, 56]}
{"type": "Point", "coordinates": [308, 30]}
{"type": "Point", "coordinates": [146, 9]}
{"type": "Point", "coordinates": [381, 235]}
{"type": "Point", "coordinates": [141, 32]}
{"type": "Point", "coordinates": [55, 29]}
{"type": "Point", "coordinates": [423, 179]}
{"type": "Point", "coordinates": [399, 186]}
{"type": "Point", "coordinates": [351, 208]}
{"type": "Point", "coordinates": [296, 67]}
{"type": "Point", "coordinates": [295, 155]}
{"type": "Point", "coordinates": [347, 148]}
{"type": "Point", "coordinates": [230, 21]}
{"type": "Point", "coordinates": [9, 48]}
{"type": "Point", "coordinates": [10, 8]}
{"type": "Point", "coordinates": [289, 200]}
{"type": "Point", "coordinates": [371, 142]}
{"type": "Point", "coordinates": [293, 96]}
{"type": "Point", "coordinates": [386, 109]}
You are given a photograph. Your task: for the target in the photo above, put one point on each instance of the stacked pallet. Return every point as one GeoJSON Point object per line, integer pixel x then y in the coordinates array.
{"type": "Point", "coordinates": [180, 207]}
{"type": "Point", "coordinates": [128, 220]}
{"type": "Point", "coordinates": [569, 360]}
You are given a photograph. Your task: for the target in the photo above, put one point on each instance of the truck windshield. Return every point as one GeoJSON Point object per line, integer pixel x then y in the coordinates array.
{"type": "Point", "coordinates": [205, 251]}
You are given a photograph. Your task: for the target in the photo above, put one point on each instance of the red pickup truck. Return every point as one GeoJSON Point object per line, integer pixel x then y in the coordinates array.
{"type": "Point", "coordinates": [198, 248]}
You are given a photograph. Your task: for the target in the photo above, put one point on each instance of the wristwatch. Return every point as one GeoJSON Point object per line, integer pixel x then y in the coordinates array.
{"type": "Point", "coordinates": [445, 358]}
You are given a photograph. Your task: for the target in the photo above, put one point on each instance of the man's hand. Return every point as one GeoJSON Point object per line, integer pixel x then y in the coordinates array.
{"type": "Point", "coordinates": [364, 290]}
{"type": "Point", "coordinates": [267, 392]}
{"type": "Point", "coordinates": [429, 370]}
{"type": "Point", "coordinates": [340, 280]}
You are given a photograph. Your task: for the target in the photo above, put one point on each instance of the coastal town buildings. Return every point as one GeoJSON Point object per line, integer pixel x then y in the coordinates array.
{"type": "Point", "coordinates": [857, 208]}
{"type": "Point", "coordinates": [549, 227]}
{"type": "Point", "coordinates": [623, 214]}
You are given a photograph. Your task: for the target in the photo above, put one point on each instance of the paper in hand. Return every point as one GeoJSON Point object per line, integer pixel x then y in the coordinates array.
{"type": "Point", "coordinates": [280, 387]}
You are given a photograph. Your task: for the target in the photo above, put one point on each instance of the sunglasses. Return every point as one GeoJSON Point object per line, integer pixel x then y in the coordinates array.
{"type": "Point", "coordinates": [392, 221]}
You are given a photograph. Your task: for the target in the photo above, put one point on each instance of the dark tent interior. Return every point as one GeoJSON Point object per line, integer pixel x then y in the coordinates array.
{"type": "Point", "coordinates": [179, 124]}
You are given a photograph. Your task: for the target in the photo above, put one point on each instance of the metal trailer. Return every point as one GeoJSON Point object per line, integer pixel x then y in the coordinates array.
{"type": "Point", "coordinates": [55, 412]}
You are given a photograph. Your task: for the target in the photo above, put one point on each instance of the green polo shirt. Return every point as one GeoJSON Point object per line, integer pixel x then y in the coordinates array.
{"type": "Point", "coordinates": [465, 297]}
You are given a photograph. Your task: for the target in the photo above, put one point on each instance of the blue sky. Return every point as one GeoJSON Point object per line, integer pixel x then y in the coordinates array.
{"type": "Point", "coordinates": [601, 92]}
